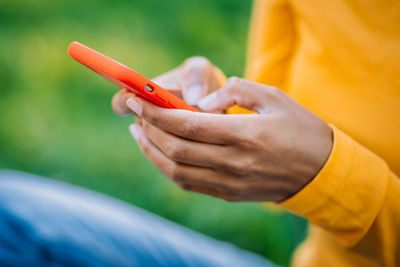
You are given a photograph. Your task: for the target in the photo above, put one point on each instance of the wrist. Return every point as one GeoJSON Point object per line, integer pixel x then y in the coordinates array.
{"type": "Point", "coordinates": [313, 162]}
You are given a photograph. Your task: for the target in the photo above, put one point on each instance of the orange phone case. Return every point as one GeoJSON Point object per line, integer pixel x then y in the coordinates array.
{"type": "Point", "coordinates": [125, 77]}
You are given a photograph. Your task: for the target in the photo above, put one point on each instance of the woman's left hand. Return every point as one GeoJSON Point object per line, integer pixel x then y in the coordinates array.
{"type": "Point", "coordinates": [268, 156]}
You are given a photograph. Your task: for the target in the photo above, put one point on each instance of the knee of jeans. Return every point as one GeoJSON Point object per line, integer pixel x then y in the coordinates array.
{"type": "Point", "coordinates": [19, 197]}
{"type": "Point", "coordinates": [31, 206]}
{"type": "Point", "coordinates": [36, 215]}
{"type": "Point", "coordinates": [36, 227]}
{"type": "Point", "coordinates": [16, 241]}
{"type": "Point", "coordinates": [50, 208]}
{"type": "Point", "coordinates": [46, 216]}
{"type": "Point", "coordinates": [18, 188]}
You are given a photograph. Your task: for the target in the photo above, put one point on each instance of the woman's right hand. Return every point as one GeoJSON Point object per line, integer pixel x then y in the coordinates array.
{"type": "Point", "coordinates": [194, 79]}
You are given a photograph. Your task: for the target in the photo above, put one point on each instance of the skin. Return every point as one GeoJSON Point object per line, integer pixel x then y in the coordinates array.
{"type": "Point", "coordinates": [267, 156]}
{"type": "Point", "coordinates": [193, 80]}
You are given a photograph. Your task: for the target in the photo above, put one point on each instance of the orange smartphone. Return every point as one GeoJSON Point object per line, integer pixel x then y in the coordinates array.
{"type": "Point", "coordinates": [125, 77]}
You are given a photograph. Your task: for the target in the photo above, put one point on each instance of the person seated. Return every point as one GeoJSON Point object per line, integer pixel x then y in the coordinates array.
{"type": "Point", "coordinates": [325, 146]}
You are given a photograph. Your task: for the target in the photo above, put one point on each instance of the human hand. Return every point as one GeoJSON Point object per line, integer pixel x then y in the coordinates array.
{"type": "Point", "coordinates": [268, 156]}
{"type": "Point", "coordinates": [192, 80]}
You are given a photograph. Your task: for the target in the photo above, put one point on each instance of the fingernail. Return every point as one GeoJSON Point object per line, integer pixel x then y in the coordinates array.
{"type": "Point", "coordinates": [209, 102]}
{"type": "Point", "coordinates": [134, 105]}
{"type": "Point", "coordinates": [134, 129]}
{"type": "Point", "coordinates": [193, 94]}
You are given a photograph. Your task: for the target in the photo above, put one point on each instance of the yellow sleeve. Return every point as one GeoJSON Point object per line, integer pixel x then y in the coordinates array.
{"type": "Point", "coordinates": [356, 199]}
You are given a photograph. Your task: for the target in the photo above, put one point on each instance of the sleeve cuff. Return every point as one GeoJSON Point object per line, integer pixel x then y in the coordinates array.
{"type": "Point", "coordinates": [347, 194]}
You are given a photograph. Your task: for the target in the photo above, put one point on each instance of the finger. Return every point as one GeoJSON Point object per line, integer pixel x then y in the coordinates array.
{"type": "Point", "coordinates": [180, 173]}
{"type": "Point", "coordinates": [186, 151]}
{"type": "Point", "coordinates": [206, 191]}
{"type": "Point", "coordinates": [245, 93]}
{"type": "Point", "coordinates": [194, 78]}
{"type": "Point", "coordinates": [170, 81]}
{"type": "Point", "coordinates": [118, 103]}
{"type": "Point", "coordinates": [197, 126]}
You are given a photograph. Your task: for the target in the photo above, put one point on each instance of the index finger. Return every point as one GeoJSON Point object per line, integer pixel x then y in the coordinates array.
{"type": "Point", "coordinates": [197, 126]}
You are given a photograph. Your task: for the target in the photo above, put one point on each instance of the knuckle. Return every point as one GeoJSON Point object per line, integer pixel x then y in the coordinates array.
{"type": "Point", "coordinates": [170, 171]}
{"type": "Point", "coordinates": [247, 164]}
{"type": "Point", "coordinates": [150, 117]}
{"type": "Point", "coordinates": [175, 150]}
{"type": "Point", "coordinates": [234, 81]}
{"type": "Point", "coordinates": [191, 128]}
{"type": "Point", "coordinates": [242, 166]}
{"type": "Point", "coordinates": [249, 134]}
{"type": "Point", "coordinates": [174, 172]}
{"type": "Point", "coordinates": [233, 84]}
{"type": "Point", "coordinates": [197, 62]}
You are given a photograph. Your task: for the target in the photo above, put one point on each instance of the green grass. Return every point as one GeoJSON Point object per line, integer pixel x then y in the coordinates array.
{"type": "Point", "coordinates": [55, 116]}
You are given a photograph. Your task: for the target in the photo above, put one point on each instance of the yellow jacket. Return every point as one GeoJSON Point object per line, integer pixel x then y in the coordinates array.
{"type": "Point", "coordinates": [341, 59]}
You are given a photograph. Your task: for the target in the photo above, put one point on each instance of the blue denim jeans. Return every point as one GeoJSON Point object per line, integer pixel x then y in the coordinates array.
{"type": "Point", "coordinates": [48, 223]}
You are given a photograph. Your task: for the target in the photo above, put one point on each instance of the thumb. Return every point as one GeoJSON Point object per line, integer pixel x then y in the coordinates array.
{"type": "Point", "coordinates": [195, 75]}
{"type": "Point", "coordinates": [241, 92]}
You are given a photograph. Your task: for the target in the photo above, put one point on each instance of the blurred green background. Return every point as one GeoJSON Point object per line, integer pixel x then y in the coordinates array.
{"type": "Point", "coordinates": [55, 115]}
